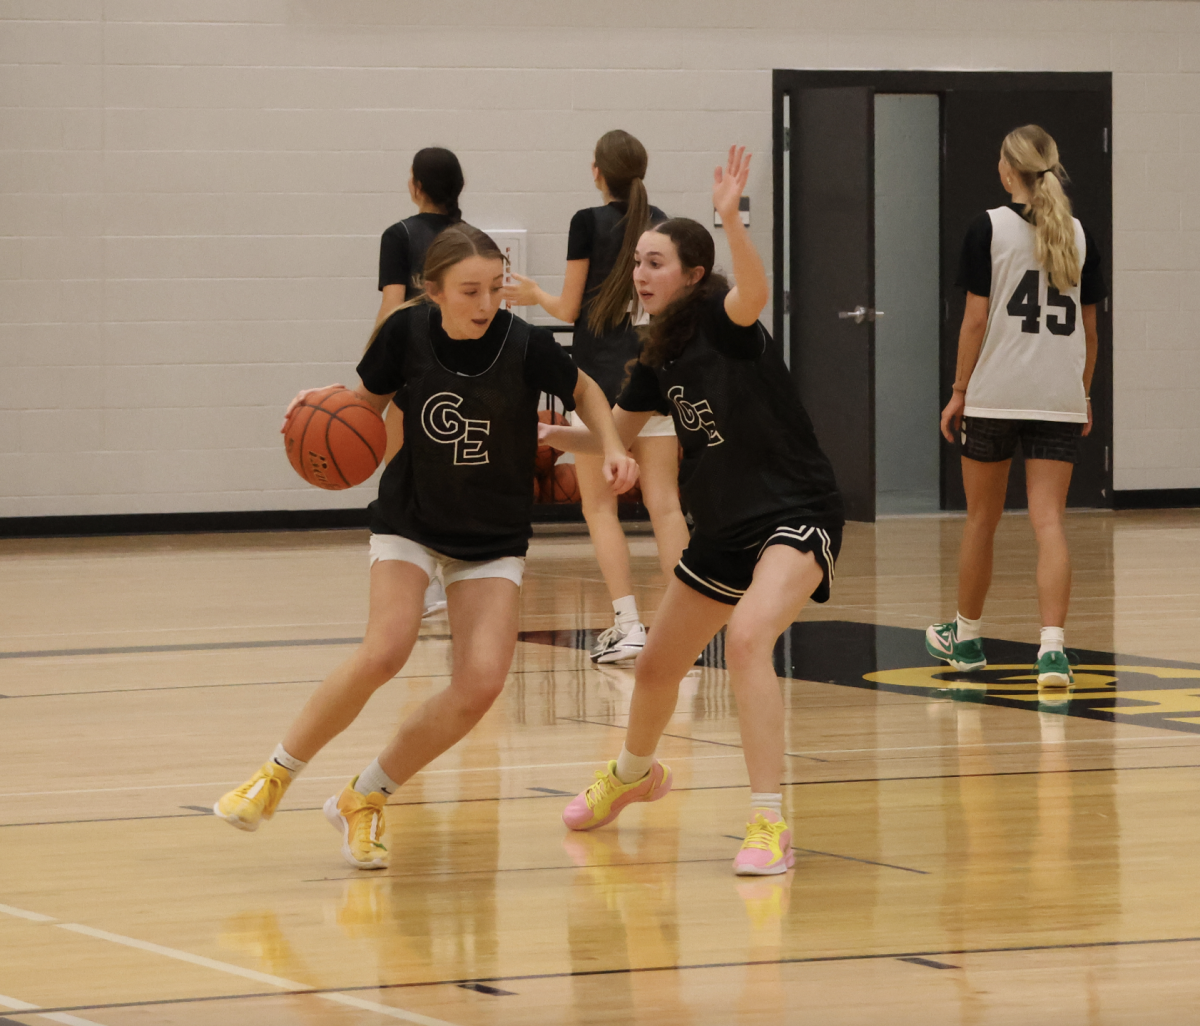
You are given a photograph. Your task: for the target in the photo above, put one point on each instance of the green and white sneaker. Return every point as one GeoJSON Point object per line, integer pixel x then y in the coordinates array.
{"type": "Point", "coordinates": [941, 642]}
{"type": "Point", "coordinates": [1054, 670]}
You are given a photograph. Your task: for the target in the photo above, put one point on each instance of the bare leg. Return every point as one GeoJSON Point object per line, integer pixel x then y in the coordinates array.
{"type": "Point", "coordinates": [483, 624]}
{"type": "Point", "coordinates": [985, 485]}
{"type": "Point", "coordinates": [392, 627]}
{"type": "Point", "coordinates": [784, 580]}
{"type": "Point", "coordinates": [608, 538]}
{"type": "Point", "coordinates": [685, 622]}
{"type": "Point", "coordinates": [658, 459]}
{"type": "Point", "coordinates": [1047, 482]}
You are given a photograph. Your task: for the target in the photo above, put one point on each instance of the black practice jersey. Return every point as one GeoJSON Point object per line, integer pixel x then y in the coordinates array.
{"type": "Point", "coordinates": [402, 250]}
{"type": "Point", "coordinates": [462, 484]}
{"type": "Point", "coordinates": [750, 456]}
{"type": "Point", "coordinates": [596, 236]}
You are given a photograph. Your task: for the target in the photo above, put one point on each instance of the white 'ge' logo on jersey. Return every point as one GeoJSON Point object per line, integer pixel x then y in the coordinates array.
{"type": "Point", "coordinates": [443, 423]}
{"type": "Point", "coordinates": [695, 416]}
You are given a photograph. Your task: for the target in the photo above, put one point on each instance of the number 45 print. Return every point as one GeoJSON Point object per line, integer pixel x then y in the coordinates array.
{"type": "Point", "coordinates": [1024, 304]}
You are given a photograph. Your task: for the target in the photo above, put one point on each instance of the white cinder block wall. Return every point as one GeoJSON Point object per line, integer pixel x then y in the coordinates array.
{"type": "Point", "coordinates": [191, 196]}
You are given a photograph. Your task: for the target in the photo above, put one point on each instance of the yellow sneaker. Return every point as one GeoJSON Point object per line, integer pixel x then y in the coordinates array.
{"type": "Point", "coordinates": [360, 819]}
{"type": "Point", "coordinates": [602, 802]}
{"type": "Point", "coordinates": [256, 799]}
{"type": "Point", "coordinates": [767, 849]}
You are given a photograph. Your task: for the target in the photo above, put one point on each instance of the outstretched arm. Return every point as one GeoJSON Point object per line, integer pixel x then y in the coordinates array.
{"type": "Point", "coordinates": [748, 297]}
{"type": "Point", "coordinates": [527, 292]}
{"type": "Point", "coordinates": [620, 469]}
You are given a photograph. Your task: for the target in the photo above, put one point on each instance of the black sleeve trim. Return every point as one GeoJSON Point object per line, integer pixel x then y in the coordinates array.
{"type": "Point", "coordinates": [975, 261]}
{"type": "Point", "coordinates": [1092, 286]}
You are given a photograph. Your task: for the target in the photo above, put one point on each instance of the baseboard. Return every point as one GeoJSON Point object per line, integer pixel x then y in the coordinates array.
{"type": "Point", "coordinates": [182, 523]}
{"type": "Point", "coordinates": [1157, 498]}
{"type": "Point", "coordinates": [248, 520]}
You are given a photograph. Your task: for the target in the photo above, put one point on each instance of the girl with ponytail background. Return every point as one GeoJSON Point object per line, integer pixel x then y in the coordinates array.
{"type": "Point", "coordinates": [434, 186]}
{"type": "Point", "coordinates": [1026, 353]}
{"type": "Point", "coordinates": [598, 297]}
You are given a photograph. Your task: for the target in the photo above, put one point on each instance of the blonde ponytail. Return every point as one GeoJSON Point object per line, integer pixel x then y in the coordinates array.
{"type": "Point", "coordinates": [1033, 154]}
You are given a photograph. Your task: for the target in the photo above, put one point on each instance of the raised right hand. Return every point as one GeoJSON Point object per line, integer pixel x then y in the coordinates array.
{"type": "Point", "coordinates": [287, 414]}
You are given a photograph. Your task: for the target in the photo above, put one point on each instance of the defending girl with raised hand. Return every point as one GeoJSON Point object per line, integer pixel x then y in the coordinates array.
{"type": "Point", "coordinates": [458, 497]}
{"type": "Point", "coordinates": [767, 511]}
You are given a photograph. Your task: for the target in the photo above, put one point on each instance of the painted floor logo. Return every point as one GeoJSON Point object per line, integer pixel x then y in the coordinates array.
{"type": "Point", "coordinates": [1118, 688]}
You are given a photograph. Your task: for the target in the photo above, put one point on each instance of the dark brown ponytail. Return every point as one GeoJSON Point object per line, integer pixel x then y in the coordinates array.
{"type": "Point", "coordinates": [622, 160]}
{"type": "Point", "coordinates": [439, 174]}
{"type": "Point", "coordinates": [671, 331]}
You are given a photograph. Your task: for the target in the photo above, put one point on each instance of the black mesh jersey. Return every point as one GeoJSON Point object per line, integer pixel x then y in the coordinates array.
{"type": "Point", "coordinates": [604, 358]}
{"type": "Point", "coordinates": [402, 250]}
{"type": "Point", "coordinates": [462, 483]}
{"type": "Point", "coordinates": [750, 456]}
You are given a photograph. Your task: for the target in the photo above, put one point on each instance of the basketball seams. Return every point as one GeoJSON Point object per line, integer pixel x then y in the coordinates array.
{"type": "Point", "coordinates": [328, 404]}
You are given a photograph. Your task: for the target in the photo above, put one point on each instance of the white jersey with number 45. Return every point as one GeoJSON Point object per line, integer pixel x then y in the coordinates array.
{"type": "Point", "coordinates": [1031, 363]}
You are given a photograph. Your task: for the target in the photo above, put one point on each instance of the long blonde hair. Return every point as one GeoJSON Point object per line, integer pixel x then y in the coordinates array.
{"type": "Point", "coordinates": [451, 246]}
{"type": "Point", "coordinates": [1033, 154]}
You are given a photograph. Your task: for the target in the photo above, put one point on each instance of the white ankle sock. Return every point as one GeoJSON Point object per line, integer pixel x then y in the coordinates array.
{"type": "Point", "coordinates": [626, 611]}
{"type": "Point", "coordinates": [374, 779]}
{"type": "Point", "coordinates": [968, 630]}
{"type": "Point", "coordinates": [289, 763]}
{"type": "Point", "coordinates": [1052, 640]}
{"type": "Point", "coordinates": [766, 800]}
{"type": "Point", "coordinates": [632, 767]}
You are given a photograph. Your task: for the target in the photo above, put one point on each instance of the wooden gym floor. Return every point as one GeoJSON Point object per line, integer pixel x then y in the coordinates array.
{"type": "Point", "coordinates": [969, 851]}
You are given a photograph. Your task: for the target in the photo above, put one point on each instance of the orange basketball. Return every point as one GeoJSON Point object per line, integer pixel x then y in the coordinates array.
{"type": "Point", "coordinates": [546, 454]}
{"type": "Point", "coordinates": [562, 485]}
{"type": "Point", "coordinates": [335, 440]}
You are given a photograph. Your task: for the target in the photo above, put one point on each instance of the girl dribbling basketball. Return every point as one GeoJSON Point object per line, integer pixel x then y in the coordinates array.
{"type": "Point", "coordinates": [1026, 353]}
{"type": "Point", "coordinates": [766, 507]}
{"type": "Point", "coordinates": [597, 296]}
{"type": "Point", "coordinates": [457, 497]}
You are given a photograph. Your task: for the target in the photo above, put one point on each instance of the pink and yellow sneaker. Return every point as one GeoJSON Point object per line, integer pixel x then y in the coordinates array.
{"type": "Point", "coordinates": [767, 849]}
{"type": "Point", "coordinates": [603, 801]}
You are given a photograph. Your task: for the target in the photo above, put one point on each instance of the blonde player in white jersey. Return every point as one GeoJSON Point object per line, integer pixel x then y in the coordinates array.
{"type": "Point", "coordinates": [1026, 353]}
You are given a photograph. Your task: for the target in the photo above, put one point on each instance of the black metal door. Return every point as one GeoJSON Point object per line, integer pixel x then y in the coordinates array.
{"type": "Point", "coordinates": [832, 271]}
{"type": "Point", "coordinates": [974, 123]}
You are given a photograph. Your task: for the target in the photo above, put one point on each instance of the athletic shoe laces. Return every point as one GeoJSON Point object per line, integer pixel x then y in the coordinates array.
{"type": "Point", "coordinates": [610, 637]}
{"type": "Point", "coordinates": [595, 794]}
{"type": "Point", "coordinates": [759, 834]}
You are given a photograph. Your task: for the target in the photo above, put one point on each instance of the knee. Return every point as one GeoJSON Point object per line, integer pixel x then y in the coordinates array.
{"type": "Point", "coordinates": [476, 691]}
{"type": "Point", "coordinates": [660, 502]}
{"type": "Point", "coordinates": [380, 663]}
{"type": "Point", "coordinates": [745, 648]}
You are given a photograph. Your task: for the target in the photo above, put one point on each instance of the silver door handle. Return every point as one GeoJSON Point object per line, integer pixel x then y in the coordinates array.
{"type": "Point", "coordinates": [860, 314]}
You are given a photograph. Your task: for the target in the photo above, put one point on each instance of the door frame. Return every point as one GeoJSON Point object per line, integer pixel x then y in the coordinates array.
{"type": "Point", "coordinates": [784, 85]}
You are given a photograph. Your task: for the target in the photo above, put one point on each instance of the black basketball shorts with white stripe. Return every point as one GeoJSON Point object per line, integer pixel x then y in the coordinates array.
{"type": "Point", "coordinates": [724, 574]}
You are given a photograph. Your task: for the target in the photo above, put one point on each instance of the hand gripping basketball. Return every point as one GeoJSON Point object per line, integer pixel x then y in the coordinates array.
{"type": "Point", "coordinates": [333, 438]}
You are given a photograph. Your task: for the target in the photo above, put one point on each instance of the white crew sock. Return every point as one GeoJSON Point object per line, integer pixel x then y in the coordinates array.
{"type": "Point", "coordinates": [374, 779]}
{"type": "Point", "coordinates": [632, 767]}
{"type": "Point", "coordinates": [968, 630]}
{"type": "Point", "coordinates": [765, 801]}
{"type": "Point", "coordinates": [281, 757]}
{"type": "Point", "coordinates": [1052, 640]}
{"type": "Point", "coordinates": [625, 611]}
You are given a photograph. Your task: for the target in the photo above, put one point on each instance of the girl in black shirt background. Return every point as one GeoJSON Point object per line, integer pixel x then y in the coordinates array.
{"type": "Point", "coordinates": [767, 511]}
{"type": "Point", "coordinates": [598, 297]}
{"type": "Point", "coordinates": [457, 498]}
{"type": "Point", "coordinates": [434, 186]}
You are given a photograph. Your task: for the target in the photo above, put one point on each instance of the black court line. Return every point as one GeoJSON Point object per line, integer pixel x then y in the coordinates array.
{"type": "Point", "coordinates": [206, 646]}
{"type": "Point", "coordinates": [164, 687]}
{"type": "Point", "coordinates": [930, 963]}
{"type": "Point", "coordinates": [705, 787]}
{"type": "Point", "coordinates": [483, 988]}
{"type": "Point", "coordinates": [408, 875]}
{"type": "Point", "coordinates": [878, 658]}
{"type": "Point", "coordinates": [553, 790]}
{"type": "Point", "coordinates": [681, 737]}
{"type": "Point", "coordinates": [205, 809]}
{"type": "Point", "coordinates": [847, 858]}
{"type": "Point", "coordinates": [799, 960]}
